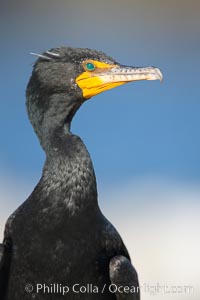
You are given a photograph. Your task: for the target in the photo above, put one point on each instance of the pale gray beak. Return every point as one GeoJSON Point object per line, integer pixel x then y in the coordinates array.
{"type": "Point", "coordinates": [126, 74]}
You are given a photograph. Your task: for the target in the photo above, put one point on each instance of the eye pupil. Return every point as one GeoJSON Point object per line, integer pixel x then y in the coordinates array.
{"type": "Point", "coordinates": [90, 66]}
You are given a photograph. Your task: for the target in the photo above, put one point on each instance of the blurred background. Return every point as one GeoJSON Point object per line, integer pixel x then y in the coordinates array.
{"type": "Point", "coordinates": [143, 137]}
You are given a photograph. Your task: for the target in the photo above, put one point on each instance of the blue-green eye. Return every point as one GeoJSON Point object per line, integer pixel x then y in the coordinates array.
{"type": "Point", "coordinates": [90, 66]}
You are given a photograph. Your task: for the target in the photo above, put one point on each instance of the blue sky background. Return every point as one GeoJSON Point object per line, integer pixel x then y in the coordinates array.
{"type": "Point", "coordinates": [138, 129]}
{"type": "Point", "coordinates": [143, 137]}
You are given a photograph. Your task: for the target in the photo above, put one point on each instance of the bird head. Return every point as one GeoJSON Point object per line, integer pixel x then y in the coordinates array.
{"type": "Point", "coordinates": [87, 71]}
{"type": "Point", "coordinates": [63, 78]}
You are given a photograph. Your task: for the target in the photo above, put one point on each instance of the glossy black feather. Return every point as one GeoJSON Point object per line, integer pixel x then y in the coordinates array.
{"type": "Point", "coordinates": [59, 234]}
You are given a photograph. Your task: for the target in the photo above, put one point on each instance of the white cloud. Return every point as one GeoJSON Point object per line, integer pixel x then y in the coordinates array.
{"type": "Point", "coordinates": [159, 223]}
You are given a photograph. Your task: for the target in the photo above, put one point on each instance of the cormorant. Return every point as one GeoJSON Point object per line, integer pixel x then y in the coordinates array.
{"type": "Point", "coordinates": [58, 244]}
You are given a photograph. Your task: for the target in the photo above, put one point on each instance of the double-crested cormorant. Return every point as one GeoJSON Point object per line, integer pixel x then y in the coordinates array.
{"type": "Point", "coordinates": [58, 242]}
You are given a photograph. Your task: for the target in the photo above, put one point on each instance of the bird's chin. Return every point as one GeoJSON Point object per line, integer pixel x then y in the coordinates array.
{"type": "Point", "coordinates": [95, 85]}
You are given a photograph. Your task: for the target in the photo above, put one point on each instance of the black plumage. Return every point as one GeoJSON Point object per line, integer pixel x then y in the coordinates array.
{"type": "Point", "coordinates": [59, 235]}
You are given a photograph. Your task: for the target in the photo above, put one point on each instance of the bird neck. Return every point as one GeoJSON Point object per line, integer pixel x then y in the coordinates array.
{"type": "Point", "coordinates": [68, 174]}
